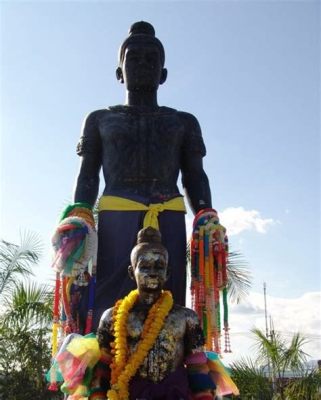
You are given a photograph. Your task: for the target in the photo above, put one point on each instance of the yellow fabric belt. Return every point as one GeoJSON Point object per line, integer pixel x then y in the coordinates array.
{"type": "Point", "coordinates": [114, 203]}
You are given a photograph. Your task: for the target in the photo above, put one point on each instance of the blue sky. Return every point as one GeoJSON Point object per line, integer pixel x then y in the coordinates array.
{"type": "Point", "coordinates": [248, 70]}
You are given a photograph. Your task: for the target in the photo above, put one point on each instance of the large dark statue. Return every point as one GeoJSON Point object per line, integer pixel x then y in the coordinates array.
{"type": "Point", "coordinates": [141, 147]}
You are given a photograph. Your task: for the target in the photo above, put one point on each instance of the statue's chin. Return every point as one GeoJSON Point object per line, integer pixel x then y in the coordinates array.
{"type": "Point", "coordinates": [151, 287]}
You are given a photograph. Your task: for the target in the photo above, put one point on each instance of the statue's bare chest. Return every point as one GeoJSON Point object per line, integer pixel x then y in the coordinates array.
{"type": "Point", "coordinates": [167, 352]}
{"type": "Point", "coordinates": [141, 132]}
{"type": "Point", "coordinates": [173, 328]}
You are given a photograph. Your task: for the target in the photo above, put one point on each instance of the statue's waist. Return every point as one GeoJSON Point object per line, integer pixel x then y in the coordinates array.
{"type": "Point", "coordinates": [151, 189]}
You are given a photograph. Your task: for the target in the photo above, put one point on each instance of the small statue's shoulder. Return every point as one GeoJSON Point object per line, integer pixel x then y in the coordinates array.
{"type": "Point", "coordinates": [188, 313]}
{"type": "Point", "coordinates": [107, 316]}
{"type": "Point", "coordinates": [105, 328]}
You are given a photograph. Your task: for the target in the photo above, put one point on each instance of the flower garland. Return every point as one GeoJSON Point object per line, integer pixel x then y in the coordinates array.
{"type": "Point", "coordinates": [209, 280]}
{"type": "Point", "coordinates": [123, 369]}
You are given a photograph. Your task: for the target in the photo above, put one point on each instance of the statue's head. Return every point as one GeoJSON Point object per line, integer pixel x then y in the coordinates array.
{"type": "Point", "coordinates": [141, 59]}
{"type": "Point", "coordinates": [149, 261]}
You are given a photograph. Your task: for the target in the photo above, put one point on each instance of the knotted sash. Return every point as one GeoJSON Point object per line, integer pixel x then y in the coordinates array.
{"type": "Point", "coordinates": [114, 203]}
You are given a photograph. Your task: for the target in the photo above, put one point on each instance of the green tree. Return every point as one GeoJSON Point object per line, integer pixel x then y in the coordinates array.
{"type": "Point", "coordinates": [25, 318]}
{"type": "Point", "coordinates": [308, 387]}
{"type": "Point", "coordinates": [251, 380]}
{"type": "Point", "coordinates": [239, 276]}
{"type": "Point", "coordinates": [281, 356]}
{"type": "Point", "coordinates": [16, 262]}
{"type": "Point", "coordinates": [279, 371]}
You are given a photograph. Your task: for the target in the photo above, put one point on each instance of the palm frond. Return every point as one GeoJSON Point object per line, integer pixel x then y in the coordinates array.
{"type": "Point", "coordinates": [269, 348]}
{"type": "Point", "coordinates": [239, 277]}
{"type": "Point", "coordinates": [294, 357]}
{"type": "Point", "coordinates": [306, 387]}
{"type": "Point", "coordinates": [30, 307]}
{"type": "Point", "coordinates": [251, 380]}
{"type": "Point", "coordinates": [17, 260]}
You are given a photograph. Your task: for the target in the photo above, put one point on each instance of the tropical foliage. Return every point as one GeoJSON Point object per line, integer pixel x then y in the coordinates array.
{"type": "Point", "coordinates": [308, 387]}
{"type": "Point", "coordinates": [24, 323]}
{"type": "Point", "coordinates": [16, 262]}
{"type": "Point", "coordinates": [279, 371]}
{"type": "Point", "coordinates": [239, 276]}
{"type": "Point", "coordinates": [251, 380]}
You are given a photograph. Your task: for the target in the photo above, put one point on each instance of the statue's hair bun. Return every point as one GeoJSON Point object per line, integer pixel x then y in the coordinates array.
{"type": "Point", "coordinates": [142, 28]}
{"type": "Point", "coordinates": [141, 32]}
{"type": "Point", "coordinates": [149, 235]}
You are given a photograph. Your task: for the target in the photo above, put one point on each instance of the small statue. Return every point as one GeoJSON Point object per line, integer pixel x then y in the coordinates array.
{"type": "Point", "coordinates": [141, 148]}
{"type": "Point", "coordinates": [151, 348]}
{"type": "Point", "coordinates": [146, 346]}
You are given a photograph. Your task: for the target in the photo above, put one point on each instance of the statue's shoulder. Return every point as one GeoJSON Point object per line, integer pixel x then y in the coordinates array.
{"type": "Point", "coordinates": [187, 117]}
{"type": "Point", "coordinates": [189, 314]}
{"type": "Point", "coordinates": [190, 122]}
{"type": "Point", "coordinates": [97, 114]}
{"type": "Point", "coordinates": [92, 120]}
{"type": "Point", "coordinates": [107, 316]}
{"type": "Point", "coordinates": [133, 110]}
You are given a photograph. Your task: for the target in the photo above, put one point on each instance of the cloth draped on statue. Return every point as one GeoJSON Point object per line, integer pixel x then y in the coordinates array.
{"type": "Point", "coordinates": [173, 387]}
{"type": "Point", "coordinates": [117, 235]}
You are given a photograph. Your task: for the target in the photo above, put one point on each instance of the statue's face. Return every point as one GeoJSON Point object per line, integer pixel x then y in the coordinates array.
{"type": "Point", "coordinates": [151, 270]}
{"type": "Point", "coordinates": [142, 67]}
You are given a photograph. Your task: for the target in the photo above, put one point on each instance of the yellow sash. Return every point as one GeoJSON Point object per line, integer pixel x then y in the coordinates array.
{"type": "Point", "coordinates": [114, 203]}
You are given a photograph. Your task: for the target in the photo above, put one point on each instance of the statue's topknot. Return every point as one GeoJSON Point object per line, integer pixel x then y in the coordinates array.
{"type": "Point", "coordinates": [141, 32]}
{"type": "Point", "coordinates": [142, 28]}
{"type": "Point", "coordinates": [149, 235]}
{"type": "Point", "coordinates": [147, 238]}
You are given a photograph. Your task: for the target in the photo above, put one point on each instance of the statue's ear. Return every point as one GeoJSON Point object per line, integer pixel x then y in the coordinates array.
{"type": "Point", "coordinates": [119, 75]}
{"type": "Point", "coordinates": [163, 76]}
{"type": "Point", "coordinates": [131, 272]}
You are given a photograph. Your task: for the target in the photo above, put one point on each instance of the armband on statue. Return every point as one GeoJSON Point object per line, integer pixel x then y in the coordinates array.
{"type": "Point", "coordinates": [75, 257]}
{"type": "Point", "coordinates": [209, 278]}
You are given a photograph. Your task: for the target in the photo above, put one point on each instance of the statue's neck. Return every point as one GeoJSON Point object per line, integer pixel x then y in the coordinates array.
{"type": "Point", "coordinates": [148, 299]}
{"type": "Point", "coordinates": [141, 99]}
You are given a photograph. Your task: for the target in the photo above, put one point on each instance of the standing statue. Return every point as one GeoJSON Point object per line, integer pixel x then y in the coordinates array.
{"type": "Point", "coordinates": [148, 347]}
{"type": "Point", "coordinates": [141, 148]}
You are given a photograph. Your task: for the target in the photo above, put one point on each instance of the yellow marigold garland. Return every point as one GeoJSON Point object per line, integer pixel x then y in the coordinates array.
{"type": "Point", "coordinates": [122, 370]}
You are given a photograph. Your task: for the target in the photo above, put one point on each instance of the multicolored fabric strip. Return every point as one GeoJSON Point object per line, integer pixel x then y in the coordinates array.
{"type": "Point", "coordinates": [209, 251]}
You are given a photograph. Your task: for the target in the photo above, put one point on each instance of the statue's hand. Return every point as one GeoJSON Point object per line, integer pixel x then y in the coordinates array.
{"type": "Point", "coordinates": [207, 220]}
{"type": "Point", "coordinates": [75, 240]}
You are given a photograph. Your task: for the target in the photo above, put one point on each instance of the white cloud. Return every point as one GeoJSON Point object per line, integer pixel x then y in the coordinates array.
{"type": "Point", "coordinates": [237, 220]}
{"type": "Point", "coordinates": [289, 316]}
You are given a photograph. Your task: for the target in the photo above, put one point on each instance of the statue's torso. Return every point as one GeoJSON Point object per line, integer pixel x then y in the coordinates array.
{"type": "Point", "coordinates": [141, 151]}
{"type": "Point", "coordinates": [180, 335]}
{"type": "Point", "coordinates": [168, 351]}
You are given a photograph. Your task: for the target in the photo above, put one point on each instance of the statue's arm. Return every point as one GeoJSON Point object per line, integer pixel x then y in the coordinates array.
{"type": "Point", "coordinates": [100, 383]}
{"type": "Point", "coordinates": [194, 178]}
{"type": "Point", "coordinates": [195, 360]}
{"type": "Point", "coordinates": [90, 150]}
{"type": "Point", "coordinates": [194, 338]}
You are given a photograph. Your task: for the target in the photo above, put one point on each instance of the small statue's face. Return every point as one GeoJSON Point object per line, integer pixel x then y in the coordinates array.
{"type": "Point", "coordinates": [151, 270]}
{"type": "Point", "coordinates": [142, 67]}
